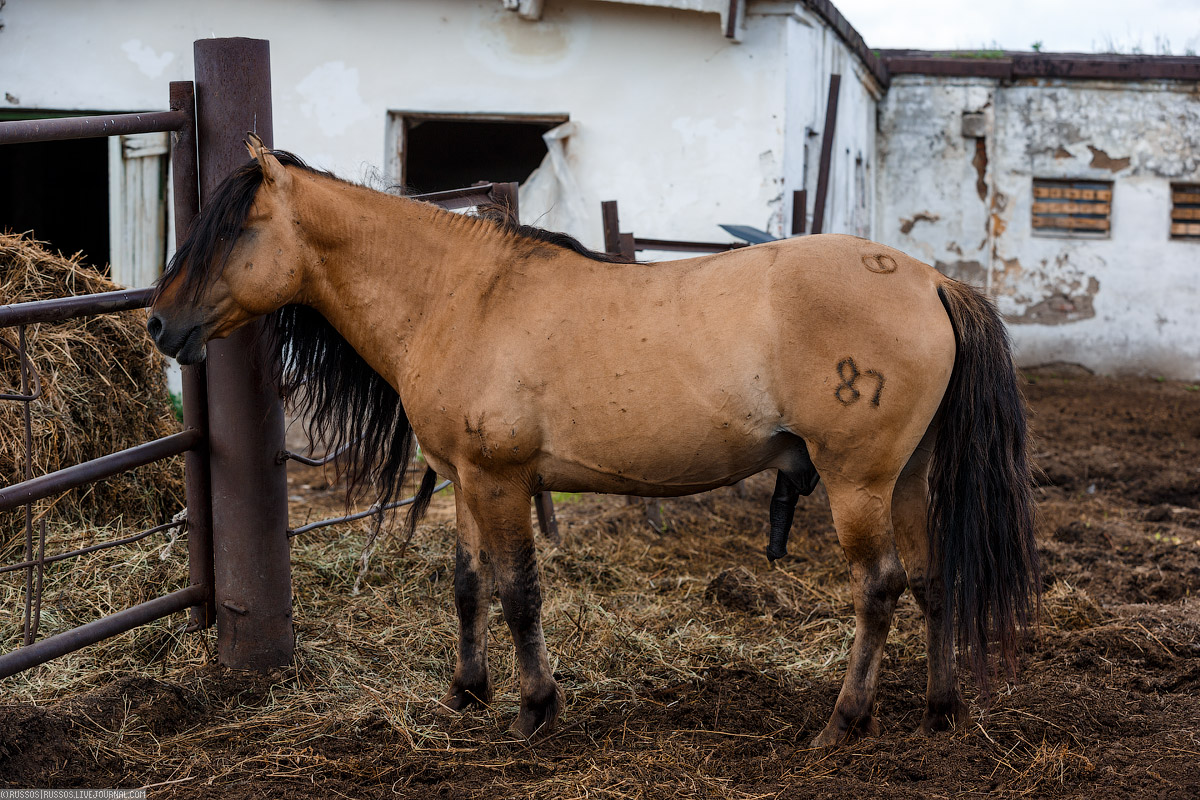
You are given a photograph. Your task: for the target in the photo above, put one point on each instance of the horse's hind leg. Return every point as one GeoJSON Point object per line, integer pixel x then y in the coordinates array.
{"type": "Point", "coordinates": [506, 539]}
{"type": "Point", "coordinates": [910, 502]}
{"type": "Point", "coordinates": [474, 584]}
{"type": "Point", "coordinates": [862, 517]}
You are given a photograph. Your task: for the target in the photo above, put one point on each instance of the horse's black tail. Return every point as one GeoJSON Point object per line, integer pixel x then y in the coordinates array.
{"type": "Point", "coordinates": [421, 501]}
{"type": "Point", "coordinates": [981, 510]}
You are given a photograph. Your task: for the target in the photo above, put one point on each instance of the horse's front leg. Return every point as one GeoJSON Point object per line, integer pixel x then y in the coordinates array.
{"type": "Point", "coordinates": [474, 584]}
{"type": "Point", "coordinates": [501, 511]}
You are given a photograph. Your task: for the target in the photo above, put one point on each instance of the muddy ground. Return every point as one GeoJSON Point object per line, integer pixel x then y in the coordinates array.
{"type": "Point", "coordinates": [692, 668]}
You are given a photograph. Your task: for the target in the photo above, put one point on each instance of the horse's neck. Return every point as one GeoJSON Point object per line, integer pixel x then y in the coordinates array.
{"type": "Point", "coordinates": [386, 263]}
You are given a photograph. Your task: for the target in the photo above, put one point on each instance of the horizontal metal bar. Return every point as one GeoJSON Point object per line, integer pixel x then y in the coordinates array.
{"type": "Point", "coordinates": [113, 624]}
{"type": "Point", "coordinates": [458, 198]}
{"type": "Point", "coordinates": [106, 466]}
{"type": "Point", "coordinates": [685, 247]}
{"type": "Point", "coordinates": [53, 130]}
{"type": "Point", "coordinates": [58, 309]}
{"type": "Point", "coordinates": [312, 526]}
{"type": "Point", "coordinates": [285, 455]}
{"type": "Point", "coordinates": [137, 537]}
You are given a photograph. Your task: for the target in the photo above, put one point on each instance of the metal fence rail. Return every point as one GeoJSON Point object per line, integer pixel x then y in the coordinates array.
{"type": "Point", "coordinates": [192, 440]}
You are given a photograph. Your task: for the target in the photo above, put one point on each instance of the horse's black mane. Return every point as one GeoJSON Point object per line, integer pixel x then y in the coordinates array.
{"type": "Point", "coordinates": [348, 406]}
{"type": "Point", "coordinates": [505, 218]}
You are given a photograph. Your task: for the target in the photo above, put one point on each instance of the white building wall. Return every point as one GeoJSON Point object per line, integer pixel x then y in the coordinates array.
{"type": "Point", "coordinates": [814, 52]}
{"type": "Point", "coordinates": [1126, 303]}
{"type": "Point", "coordinates": [681, 125]}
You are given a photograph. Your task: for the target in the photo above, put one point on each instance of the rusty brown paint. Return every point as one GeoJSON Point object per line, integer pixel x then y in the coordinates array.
{"type": "Point", "coordinates": [1102, 160]}
{"type": "Point", "coordinates": [906, 225]}
{"type": "Point", "coordinates": [980, 162]}
{"type": "Point", "coordinates": [1061, 308]}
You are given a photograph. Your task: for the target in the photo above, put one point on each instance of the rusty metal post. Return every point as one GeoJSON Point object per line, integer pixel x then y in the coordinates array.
{"type": "Point", "coordinates": [831, 105]}
{"type": "Point", "coordinates": [251, 559]}
{"type": "Point", "coordinates": [612, 227]}
{"type": "Point", "coordinates": [799, 209]}
{"type": "Point", "coordinates": [186, 191]}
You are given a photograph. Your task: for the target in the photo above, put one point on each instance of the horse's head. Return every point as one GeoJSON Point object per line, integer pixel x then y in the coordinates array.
{"type": "Point", "coordinates": [240, 260]}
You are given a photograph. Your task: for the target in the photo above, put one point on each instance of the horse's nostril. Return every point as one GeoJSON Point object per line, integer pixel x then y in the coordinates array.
{"type": "Point", "coordinates": [154, 327]}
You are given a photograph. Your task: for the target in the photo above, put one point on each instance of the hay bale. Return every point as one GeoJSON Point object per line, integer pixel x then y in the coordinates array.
{"type": "Point", "coordinates": [104, 390]}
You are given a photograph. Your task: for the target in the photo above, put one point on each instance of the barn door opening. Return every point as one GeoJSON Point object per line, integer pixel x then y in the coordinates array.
{"type": "Point", "coordinates": [432, 152]}
{"type": "Point", "coordinates": [57, 190]}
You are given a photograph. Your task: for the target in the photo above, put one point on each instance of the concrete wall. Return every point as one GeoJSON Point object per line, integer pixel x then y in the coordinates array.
{"type": "Point", "coordinates": [1128, 302]}
{"type": "Point", "coordinates": [814, 52]}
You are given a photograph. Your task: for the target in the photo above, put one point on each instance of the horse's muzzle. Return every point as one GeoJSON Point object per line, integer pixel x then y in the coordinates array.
{"type": "Point", "coordinates": [184, 344]}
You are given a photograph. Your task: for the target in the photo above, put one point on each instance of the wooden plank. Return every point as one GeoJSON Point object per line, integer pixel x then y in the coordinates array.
{"type": "Point", "coordinates": [1072, 208]}
{"type": "Point", "coordinates": [831, 106]}
{"type": "Point", "coordinates": [1185, 213]}
{"type": "Point", "coordinates": [1188, 196]}
{"type": "Point", "coordinates": [1186, 229]}
{"type": "Point", "coordinates": [1071, 223]}
{"type": "Point", "coordinates": [1071, 193]}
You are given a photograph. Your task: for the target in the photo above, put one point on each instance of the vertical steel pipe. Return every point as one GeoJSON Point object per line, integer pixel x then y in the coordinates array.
{"type": "Point", "coordinates": [23, 358]}
{"type": "Point", "coordinates": [186, 191]}
{"type": "Point", "coordinates": [251, 559]}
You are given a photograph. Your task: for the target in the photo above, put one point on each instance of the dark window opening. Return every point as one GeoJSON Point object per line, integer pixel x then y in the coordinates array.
{"type": "Point", "coordinates": [1185, 211]}
{"type": "Point", "coordinates": [446, 153]}
{"type": "Point", "coordinates": [59, 191]}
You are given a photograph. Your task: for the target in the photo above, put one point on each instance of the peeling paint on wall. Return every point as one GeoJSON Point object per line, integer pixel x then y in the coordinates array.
{"type": "Point", "coordinates": [971, 272]}
{"type": "Point", "coordinates": [906, 225]}
{"type": "Point", "coordinates": [1102, 160]}
{"type": "Point", "coordinates": [1098, 301]}
{"type": "Point", "coordinates": [980, 162]}
{"type": "Point", "coordinates": [146, 59]}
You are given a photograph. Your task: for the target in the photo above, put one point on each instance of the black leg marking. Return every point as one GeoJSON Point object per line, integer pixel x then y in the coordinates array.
{"type": "Point", "coordinates": [472, 598]}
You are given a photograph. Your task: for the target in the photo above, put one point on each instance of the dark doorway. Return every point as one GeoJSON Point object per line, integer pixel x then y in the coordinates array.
{"type": "Point", "coordinates": [449, 151]}
{"type": "Point", "coordinates": [58, 190]}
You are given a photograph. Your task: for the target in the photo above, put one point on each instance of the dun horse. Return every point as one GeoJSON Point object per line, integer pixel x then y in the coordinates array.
{"type": "Point", "coordinates": [523, 362]}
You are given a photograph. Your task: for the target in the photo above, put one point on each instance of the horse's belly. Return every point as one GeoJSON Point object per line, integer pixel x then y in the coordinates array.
{"type": "Point", "coordinates": [663, 460]}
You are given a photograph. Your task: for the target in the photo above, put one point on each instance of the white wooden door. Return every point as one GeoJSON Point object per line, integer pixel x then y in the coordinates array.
{"type": "Point", "coordinates": [137, 207]}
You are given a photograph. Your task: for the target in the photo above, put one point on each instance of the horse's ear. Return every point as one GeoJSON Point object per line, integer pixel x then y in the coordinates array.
{"type": "Point", "coordinates": [273, 171]}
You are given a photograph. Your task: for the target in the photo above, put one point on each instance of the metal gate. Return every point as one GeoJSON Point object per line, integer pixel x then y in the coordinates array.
{"type": "Point", "coordinates": [233, 419]}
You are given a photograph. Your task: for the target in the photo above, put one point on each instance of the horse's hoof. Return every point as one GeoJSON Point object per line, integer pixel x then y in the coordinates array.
{"type": "Point", "coordinates": [460, 698]}
{"type": "Point", "coordinates": [538, 716]}
{"type": "Point", "coordinates": [838, 732]}
{"type": "Point", "coordinates": [943, 717]}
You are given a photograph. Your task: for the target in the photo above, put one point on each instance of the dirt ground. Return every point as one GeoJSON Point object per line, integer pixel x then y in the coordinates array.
{"type": "Point", "coordinates": [692, 667]}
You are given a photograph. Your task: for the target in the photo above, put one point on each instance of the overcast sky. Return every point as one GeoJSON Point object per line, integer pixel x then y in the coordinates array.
{"type": "Point", "coordinates": [1060, 25]}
